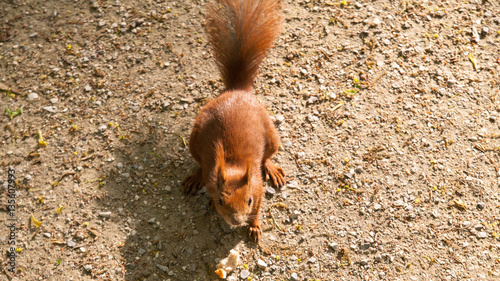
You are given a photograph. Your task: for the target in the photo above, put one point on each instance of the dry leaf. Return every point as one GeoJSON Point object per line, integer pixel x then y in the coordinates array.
{"type": "Point", "coordinates": [459, 204]}
{"type": "Point", "coordinates": [35, 222]}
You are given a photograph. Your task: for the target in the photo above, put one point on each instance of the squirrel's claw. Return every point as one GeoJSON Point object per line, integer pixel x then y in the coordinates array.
{"type": "Point", "coordinates": [276, 174]}
{"type": "Point", "coordinates": [255, 232]}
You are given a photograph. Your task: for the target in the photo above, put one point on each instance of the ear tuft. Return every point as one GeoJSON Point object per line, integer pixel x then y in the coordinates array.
{"type": "Point", "coordinates": [221, 177]}
{"type": "Point", "coordinates": [220, 165]}
{"type": "Point", "coordinates": [249, 170]}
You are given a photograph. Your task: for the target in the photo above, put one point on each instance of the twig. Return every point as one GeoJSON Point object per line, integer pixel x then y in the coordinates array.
{"type": "Point", "coordinates": [353, 189]}
{"type": "Point", "coordinates": [66, 174]}
{"type": "Point", "coordinates": [274, 220]}
{"type": "Point", "coordinates": [338, 106]}
{"type": "Point", "coordinates": [182, 138]}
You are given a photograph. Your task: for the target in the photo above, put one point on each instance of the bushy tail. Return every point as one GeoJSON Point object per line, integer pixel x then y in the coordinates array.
{"type": "Point", "coordinates": [241, 32]}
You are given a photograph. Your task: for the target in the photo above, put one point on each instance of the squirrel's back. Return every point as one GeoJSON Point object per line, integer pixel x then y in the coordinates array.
{"type": "Point", "coordinates": [241, 32]}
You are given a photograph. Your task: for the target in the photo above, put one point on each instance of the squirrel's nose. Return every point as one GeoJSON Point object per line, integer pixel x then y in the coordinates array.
{"type": "Point", "coordinates": [235, 220]}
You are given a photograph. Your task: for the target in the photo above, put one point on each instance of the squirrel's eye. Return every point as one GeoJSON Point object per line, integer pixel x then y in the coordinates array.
{"type": "Point", "coordinates": [220, 202]}
{"type": "Point", "coordinates": [249, 201]}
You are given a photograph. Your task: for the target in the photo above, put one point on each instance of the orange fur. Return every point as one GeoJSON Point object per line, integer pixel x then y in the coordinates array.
{"type": "Point", "coordinates": [240, 33]}
{"type": "Point", "coordinates": [233, 137]}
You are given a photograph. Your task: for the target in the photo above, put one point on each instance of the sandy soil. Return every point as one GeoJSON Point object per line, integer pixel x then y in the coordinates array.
{"type": "Point", "coordinates": [387, 113]}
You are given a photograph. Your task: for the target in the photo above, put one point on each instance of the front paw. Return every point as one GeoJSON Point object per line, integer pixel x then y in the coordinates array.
{"type": "Point", "coordinates": [193, 183]}
{"type": "Point", "coordinates": [276, 174]}
{"type": "Point", "coordinates": [255, 232]}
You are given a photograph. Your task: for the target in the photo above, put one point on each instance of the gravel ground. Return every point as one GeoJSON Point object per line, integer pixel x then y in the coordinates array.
{"type": "Point", "coordinates": [387, 113]}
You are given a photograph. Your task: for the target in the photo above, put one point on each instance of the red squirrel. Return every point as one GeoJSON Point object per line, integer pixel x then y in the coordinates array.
{"type": "Point", "coordinates": [233, 137]}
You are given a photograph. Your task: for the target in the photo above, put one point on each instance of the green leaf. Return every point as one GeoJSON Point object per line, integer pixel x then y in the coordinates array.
{"type": "Point", "coordinates": [13, 114]}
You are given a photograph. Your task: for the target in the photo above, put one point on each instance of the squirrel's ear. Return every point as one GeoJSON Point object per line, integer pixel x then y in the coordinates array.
{"type": "Point", "coordinates": [220, 165]}
{"type": "Point", "coordinates": [249, 170]}
{"type": "Point", "coordinates": [221, 176]}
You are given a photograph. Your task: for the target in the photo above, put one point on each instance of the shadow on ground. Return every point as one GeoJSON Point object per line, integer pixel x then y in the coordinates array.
{"type": "Point", "coordinates": [168, 235]}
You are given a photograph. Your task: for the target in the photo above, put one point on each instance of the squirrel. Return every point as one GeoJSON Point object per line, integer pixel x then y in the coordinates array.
{"type": "Point", "coordinates": [233, 137]}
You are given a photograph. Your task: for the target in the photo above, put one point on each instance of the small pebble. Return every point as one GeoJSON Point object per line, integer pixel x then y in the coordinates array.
{"type": "Point", "coordinates": [270, 190]}
{"type": "Point", "coordinates": [481, 205]}
{"type": "Point", "coordinates": [293, 184]}
{"type": "Point", "coordinates": [312, 100]}
{"type": "Point", "coordinates": [359, 169]}
{"type": "Point", "coordinates": [32, 96]}
{"type": "Point", "coordinates": [481, 235]}
{"type": "Point", "coordinates": [475, 35]}
{"type": "Point", "coordinates": [152, 220]}
{"type": "Point", "coordinates": [280, 118]}
{"type": "Point", "coordinates": [162, 267]}
{"type": "Point", "coordinates": [71, 244]}
{"type": "Point", "coordinates": [478, 227]}
{"type": "Point", "coordinates": [105, 214]}
{"type": "Point", "coordinates": [333, 245]}
{"type": "Point", "coordinates": [312, 118]}
{"type": "Point", "coordinates": [261, 263]}
{"type": "Point", "coordinates": [88, 267]}
{"type": "Point", "coordinates": [435, 213]}
{"type": "Point", "coordinates": [399, 203]}
{"type": "Point", "coordinates": [244, 274]}
{"type": "Point", "coordinates": [141, 251]}
{"type": "Point", "coordinates": [365, 246]}
{"type": "Point", "coordinates": [295, 276]}
{"type": "Point", "coordinates": [373, 22]}
{"type": "Point", "coordinates": [51, 109]}
{"type": "Point", "coordinates": [283, 194]}
{"type": "Point", "coordinates": [295, 214]}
